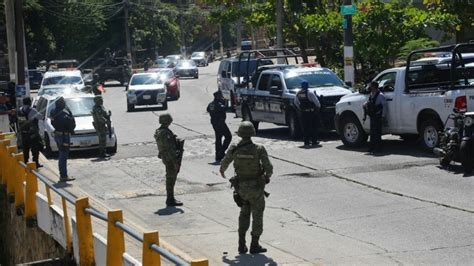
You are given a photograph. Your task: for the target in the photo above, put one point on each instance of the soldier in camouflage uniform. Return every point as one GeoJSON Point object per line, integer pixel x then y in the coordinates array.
{"type": "Point", "coordinates": [101, 116]}
{"type": "Point", "coordinates": [253, 170]}
{"type": "Point", "coordinates": [168, 152]}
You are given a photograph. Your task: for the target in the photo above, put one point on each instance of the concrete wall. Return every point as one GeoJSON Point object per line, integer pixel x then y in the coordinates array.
{"type": "Point", "coordinates": [21, 244]}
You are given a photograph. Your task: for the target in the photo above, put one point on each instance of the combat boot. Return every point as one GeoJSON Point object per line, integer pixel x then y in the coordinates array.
{"type": "Point", "coordinates": [242, 247]}
{"type": "Point", "coordinates": [255, 247]}
{"type": "Point", "coordinates": [171, 201]}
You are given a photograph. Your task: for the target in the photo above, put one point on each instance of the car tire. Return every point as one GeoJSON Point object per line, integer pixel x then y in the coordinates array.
{"type": "Point", "coordinates": [165, 105]}
{"type": "Point", "coordinates": [294, 127]}
{"type": "Point", "coordinates": [352, 133]}
{"type": "Point", "coordinates": [196, 76]}
{"type": "Point", "coordinates": [130, 107]}
{"type": "Point", "coordinates": [466, 156]}
{"type": "Point", "coordinates": [247, 116]}
{"type": "Point", "coordinates": [113, 150]}
{"type": "Point", "coordinates": [429, 134]}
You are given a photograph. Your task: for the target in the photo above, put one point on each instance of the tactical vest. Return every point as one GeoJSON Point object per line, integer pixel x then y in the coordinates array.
{"type": "Point", "coordinates": [374, 109]}
{"type": "Point", "coordinates": [247, 163]}
{"type": "Point", "coordinates": [305, 103]}
{"type": "Point", "coordinates": [26, 126]}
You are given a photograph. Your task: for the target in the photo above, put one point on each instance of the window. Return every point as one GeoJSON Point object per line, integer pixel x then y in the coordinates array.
{"type": "Point", "coordinates": [146, 79]}
{"type": "Point", "coordinates": [264, 82]}
{"type": "Point", "coordinates": [387, 82]}
{"type": "Point", "coordinates": [276, 81]}
{"type": "Point", "coordinates": [62, 80]}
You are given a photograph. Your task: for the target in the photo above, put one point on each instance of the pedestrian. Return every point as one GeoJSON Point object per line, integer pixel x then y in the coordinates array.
{"type": "Point", "coordinates": [253, 170]}
{"type": "Point", "coordinates": [170, 154]}
{"type": "Point", "coordinates": [101, 124]}
{"type": "Point", "coordinates": [217, 111]}
{"type": "Point", "coordinates": [375, 107]}
{"type": "Point", "coordinates": [147, 64]}
{"type": "Point", "coordinates": [64, 124]}
{"type": "Point", "coordinates": [30, 137]}
{"type": "Point", "coordinates": [98, 85]}
{"type": "Point", "coordinates": [308, 104]}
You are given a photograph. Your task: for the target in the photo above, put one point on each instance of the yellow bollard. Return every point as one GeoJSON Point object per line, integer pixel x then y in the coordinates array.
{"type": "Point", "coordinates": [84, 233]}
{"type": "Point", "coordinates": [18, 184]}
{"type": "Point", "coordinates": [150, 257]}
{"type": "Point", "coordinates": [67, 226]}
{"type": "Point", "coordinates": [11, 172]}
{"type": "Point", "coordinates": [115, 238]}
{"type": "Point", "coordinates": [30, 197]}
{"type": "Point", "coordinates": [200, 262]}
{"type": "Point", "coordinates": [3, 151]}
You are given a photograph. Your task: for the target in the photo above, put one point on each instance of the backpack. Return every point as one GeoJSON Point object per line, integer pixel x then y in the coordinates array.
{"type": "Point", "coordinates": [63, 121]}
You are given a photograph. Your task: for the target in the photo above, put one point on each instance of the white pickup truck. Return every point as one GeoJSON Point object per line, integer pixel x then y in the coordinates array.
{"type": "Point", "coordinates": [418, 103]}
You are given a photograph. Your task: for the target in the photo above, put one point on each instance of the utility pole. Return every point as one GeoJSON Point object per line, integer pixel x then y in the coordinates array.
{"type": "Point", "coordinates": [181, 26]}
{"type": "Point", "coordinates": [11, 38]}
{"type": "Point", "coordinates": [221, 43]}
{"type": "Point", "coordinates": [279, 28]}
{"type": "Point", "coordinates": [22, 82]}
{"type": "Point", "coordinates": [128, 45]}
{"type": "Point", "coordinates": [348, 47]}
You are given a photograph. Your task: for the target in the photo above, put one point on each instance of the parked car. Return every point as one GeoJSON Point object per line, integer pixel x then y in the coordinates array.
{"type": "Point", "coordinates": [187, 68]}
{"type": "Point", "coordinates": [35, 77]}
{"type": "Point", "coordinates": [85, 136]}
{"type": "Point", "coordinates": [246, 45]}
{"type": "Point", "coordinates": [146, 89]}
{"type": "Point", "coordinates": [200, 58]}
{"type": "Point", "coordinates": [171, 82]}
{"type": "Point", "coordinates": [61, 79]}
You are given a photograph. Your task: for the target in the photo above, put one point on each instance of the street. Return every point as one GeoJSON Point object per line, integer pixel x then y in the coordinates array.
{"type": "Point", "coordinates": [328, 205]}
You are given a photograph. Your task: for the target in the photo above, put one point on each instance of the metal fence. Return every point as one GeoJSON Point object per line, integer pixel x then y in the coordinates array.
{"type": "Point", "coordinates": [21, 182]}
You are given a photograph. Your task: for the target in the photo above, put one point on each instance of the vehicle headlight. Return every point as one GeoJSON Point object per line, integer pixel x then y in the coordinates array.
{"type": "Point", "coordinates": [468, 121]}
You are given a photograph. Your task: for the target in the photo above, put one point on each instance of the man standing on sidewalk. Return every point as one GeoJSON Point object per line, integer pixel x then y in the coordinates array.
{"type": "Point", "coordinates": [64, 124]}
{"type": "Point", "coordinates": [217, 110]}
{"type": "Point", "coordinates": [28, 121]}
{"type": "Point", "coordinates": [101, 118]}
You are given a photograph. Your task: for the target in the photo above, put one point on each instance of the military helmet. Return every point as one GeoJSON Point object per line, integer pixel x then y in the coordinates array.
{"type": "Point", "coordinates": [165, 119]}
{"type": "Point", "coordinates": [246, 129]}
{"type": "Point", "coordinates": [98, 98]}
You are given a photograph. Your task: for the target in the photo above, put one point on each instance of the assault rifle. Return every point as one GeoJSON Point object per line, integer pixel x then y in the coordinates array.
{"type": "Point", "coordinates": [109, 124]}
{"type": "Point", "coordinates": [179, 151]}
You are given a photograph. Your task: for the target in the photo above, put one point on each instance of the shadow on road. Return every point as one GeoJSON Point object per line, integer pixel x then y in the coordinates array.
{"type": "Point", "coordinates": [169, 211]}
{"type": "Point", "coordinates": [393, 146]}
{"type": "Point", "coordinates": [249, 259]}
{"type": "Point", "coordinates": [456, 169]}
{"type": "Point", "coordinates": [281, 133]}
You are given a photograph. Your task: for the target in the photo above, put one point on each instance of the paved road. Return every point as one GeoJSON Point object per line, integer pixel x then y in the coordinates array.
{"type": "Point", "coordinates": [328, 205]}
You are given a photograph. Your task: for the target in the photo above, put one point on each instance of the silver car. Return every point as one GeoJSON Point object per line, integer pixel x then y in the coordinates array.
{"type": "Point", "coordinates": [146, 89]}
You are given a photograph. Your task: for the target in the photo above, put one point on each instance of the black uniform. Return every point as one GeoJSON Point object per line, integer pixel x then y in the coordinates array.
{"type": "Point", "coordinates": [309, 116]}
{"type": "Point", "coordinates": [217, 110]}
{"type": "Point", "coordinates": [30, 136]}
{"type": "Point", "coordinates": [375, 109]}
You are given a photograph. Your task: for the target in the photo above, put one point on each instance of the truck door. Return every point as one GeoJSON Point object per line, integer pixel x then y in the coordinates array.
{"type": "Point", "coordinates": [275, 106]}
{"type": "Point", "coordinates": [261, 93]}
{"type": "Point", "coordinates": [387, 87]}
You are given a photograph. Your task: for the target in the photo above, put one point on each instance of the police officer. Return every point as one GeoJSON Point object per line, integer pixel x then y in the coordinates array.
{"type": "Point", "coordinates": [28, 121]}
{"type": "Point", "coordinates": [308, 104]}
{"type": "Point", "coordinates": [217, 110]}
{"type": "Point", "coordinates": [375, 107]}
{"type": "Point", "coordinates": [101, 122]}
{"type": "Point", "coordinates": [168, 152]}
{"type": "Point", "coordinates": [253, 170]}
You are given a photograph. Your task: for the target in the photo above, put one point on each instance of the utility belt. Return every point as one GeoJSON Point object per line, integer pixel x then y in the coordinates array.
{"type": "Point", "coordinates": [62, 133]}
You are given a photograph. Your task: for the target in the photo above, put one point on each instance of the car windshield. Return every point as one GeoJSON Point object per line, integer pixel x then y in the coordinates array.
{"type": "Point", "coordinates": [35, 74]}
{"type": "Point", "coordinates": [58, 90]}
{"type": "Point", "coordinates": [198, 54]}
{"type": "Point", "coordinates": [62, 80]}
{"type": "Point", "coordinates": [187, 63]}
{"type": "Point", "coordinates": [146, 79]}
{"type": "Point", "coordinates": [162, 62]}
{"type": "Point", "coordinates": [236, 72]}
{"type": "Point", "coordinates": [318, 78]}
{"type": "Point", "coordinates": [80, 106]}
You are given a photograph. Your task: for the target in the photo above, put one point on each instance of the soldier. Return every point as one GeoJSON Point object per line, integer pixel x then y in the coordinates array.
{"type": "Point", "coordinates": [28, 121]}
{"type": "Point", "coordinates": [169, 153]}
{"type": "Point", "coordinates": [101, 122]}
{"type": "Point", "coordinates": [98, 85]}
{"type": "Point", "coordinates": [253, 170]}
{"type": "Point", "coordinates": [375, 107]}
{"type": "Point", "coordinates": [308, 104]}
{"type": "Point", "coordinates": [217, 110]}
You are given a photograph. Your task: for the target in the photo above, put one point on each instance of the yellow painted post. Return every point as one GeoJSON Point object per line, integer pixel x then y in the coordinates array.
{"type": "Point", "coordinates": [3, 147]}
{"type": "Point", "coordinates": [84, 233]}
{"type": "Point", "coordinates": [115, 238]}
{"type": "Point", "coordinates": [48, 195]}
{"type": "Point", "coordinates": [200, 262]}
{"type": "Point", "coordinates": [30, 197]}
{"type": "Point", "coordinates": [19, 181]}
{"type": "Point", "coordinates": [67, 226]}
{"type": "Point", "coordinates": [150, 257]}
{"type": "Point", "coordinates": [10, 169]}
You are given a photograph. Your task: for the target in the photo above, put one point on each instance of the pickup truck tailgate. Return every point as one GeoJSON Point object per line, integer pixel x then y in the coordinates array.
{"type": "Point", "coordinates": [470, 99]}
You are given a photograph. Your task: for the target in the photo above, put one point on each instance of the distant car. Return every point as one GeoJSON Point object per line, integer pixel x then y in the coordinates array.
{"type": "Point", "coordinates": [187, 68]}
{"type": "Point", "coordinates": [246, 45]}
{"type": "Point", "coordinates": [67, 64]}
{"type": "Point", "coordinates": [61, 79]}
{"type": "Point", "coordinates": [200, 58]}
{"type": "Point", "coordinates": [35, 77]}
{"type": "Point", "coordinates": [171, 82]}
{"type": "Point", "coordinates": [85, 136]}
{"type": "Point", "coordinates": [163, 63]}
{"type": "Point", "coordinates": [174, 58]}
{"type": "Point", "coordinates": [146, 89]}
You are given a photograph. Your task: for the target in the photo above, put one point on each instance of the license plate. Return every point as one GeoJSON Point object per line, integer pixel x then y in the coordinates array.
{"type": "Point", "coordinates": [84, 143]}
{"type": "Point", "coordinates": [146, 97]}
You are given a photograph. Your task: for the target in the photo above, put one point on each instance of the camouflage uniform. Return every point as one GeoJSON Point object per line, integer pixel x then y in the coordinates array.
{"type": "Point", "coordinates": [168, 152]}
{"type": "Point", "coordinates": [253, 170]}
{"type": "Point", "coordinates": [101, 116]}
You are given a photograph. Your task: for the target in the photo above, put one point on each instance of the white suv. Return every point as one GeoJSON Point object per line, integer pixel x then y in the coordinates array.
{"type": "Point", "coordinates": [85, 136]}
{"type": "Point", "coordinates": [61, 80]}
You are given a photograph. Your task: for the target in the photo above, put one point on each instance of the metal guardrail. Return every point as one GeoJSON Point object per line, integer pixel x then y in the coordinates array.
{"type": "Point", "coordinates": [21, 182]}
